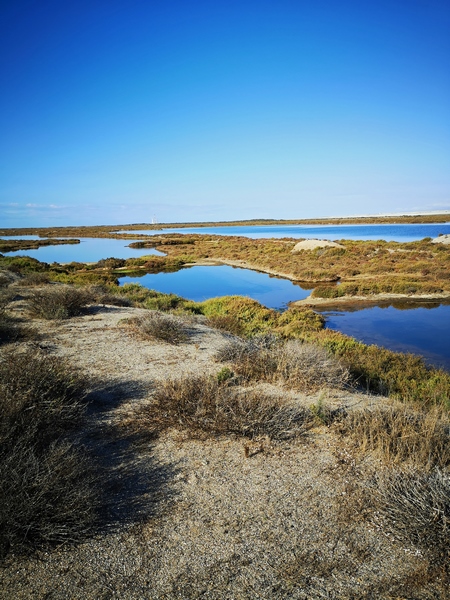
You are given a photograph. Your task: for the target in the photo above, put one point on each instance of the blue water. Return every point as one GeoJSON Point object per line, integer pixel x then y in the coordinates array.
{"type": "Point", "coordinates": [423, 330]}
{"type": "Point", "coordinates": [88, 250]}
{"type": "Point", "coordinates": [201, 283]}
{"type": "Point", "coordinates": [390, 233]}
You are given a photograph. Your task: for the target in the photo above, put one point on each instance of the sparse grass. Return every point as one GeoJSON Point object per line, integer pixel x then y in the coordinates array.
{"type": "Point", "coordinates": [159, 326]}
{"type": "Point", "coordinates": [401, 434]}
{"type": "Point", "coordinates": [205, 405]}
{"type": "Point", "coordinates": [58, 302]}
{"type": "Point", "coordinates": [302, 367]}
{"type": "Point", "coordinates": [414, 507]}
{"type": "Point", "coordinates": [47, 481]}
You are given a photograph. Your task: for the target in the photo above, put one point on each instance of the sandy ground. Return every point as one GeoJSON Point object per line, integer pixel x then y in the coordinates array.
{"type": "Point", "coordinates": [196, 518]}
{"type": "Point", "coordinates": [442, 239]}
{"type": "Point", "coordinates": [313, 244]}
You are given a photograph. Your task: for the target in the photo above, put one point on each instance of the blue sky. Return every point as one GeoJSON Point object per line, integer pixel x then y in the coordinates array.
{"type": "Point", "coordinates": [117, 111]}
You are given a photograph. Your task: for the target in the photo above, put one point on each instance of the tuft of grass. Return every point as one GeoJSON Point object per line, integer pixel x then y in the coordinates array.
{"type": "Point", "coordinates": [414, 507]}
{"type": "Point", "coordinates": [205, 405]}
{"type": "Point", "coordinates": [159, 326]}
{"type": "Point", "coordinates": [58, 302]}
{"type": "Point", "coordinates": [402, 434]}
{"type": "Point", "coordinates": [303, 367]}
{"type": "Point", "coordinates": [47, 481]}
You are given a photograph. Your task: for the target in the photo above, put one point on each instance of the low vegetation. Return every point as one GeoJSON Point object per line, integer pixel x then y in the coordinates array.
{"type": "Point", "coordinates": [159, 326]}
{"type": "Point", "coordinates": [303, 367]}
{"type": "Point", "coordinates": [414, 508]}
{"type": "Point", "coordinates": [207, 405]}
{"type": "Point", "coordinates": [58, 302]}
{"type": "Point", "coordinates": [401, 434]}
{"type": "Point", "coordinates": [15, 245]}
{"type": "Point", "coordinates": [46, 478]}
{"type": "Point", "coordinates": [49, 484]}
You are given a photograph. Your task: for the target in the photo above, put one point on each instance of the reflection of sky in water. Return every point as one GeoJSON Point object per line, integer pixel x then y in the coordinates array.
{"type": "Point", "coordinates": [400, 233]}
{"type": "Point", "coordinates": [201, 283]}
{"type": "Point", "coordinates": [423, 331]}
{"type": "Point", "coordinates": [88, 250]}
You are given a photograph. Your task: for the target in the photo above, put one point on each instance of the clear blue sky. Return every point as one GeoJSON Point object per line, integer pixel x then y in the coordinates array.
{"type": "Point", "coordinates": [118, 110]}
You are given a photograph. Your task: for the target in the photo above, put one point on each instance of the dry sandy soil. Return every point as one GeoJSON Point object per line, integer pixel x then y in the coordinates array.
{"type": "Point", "coordinates": [197, 518]}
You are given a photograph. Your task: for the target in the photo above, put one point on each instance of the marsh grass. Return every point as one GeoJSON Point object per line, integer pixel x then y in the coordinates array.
{"type": "Point", "coordinates": [156, 325]}
{"type": "Point", "coordinates": [205, 405]}
{"type": "Point", "coordinates": [47, 480]}
{"type": "Point", "coordinates": [401, 433]}
{"type": "Point", "coordinates": [58, 302]}
{"type": "Point", "coordinates": [301, 367]}
{"type": "Point", "coordinates": [107, 295]}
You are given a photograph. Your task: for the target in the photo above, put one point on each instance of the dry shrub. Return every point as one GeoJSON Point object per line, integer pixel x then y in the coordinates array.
{"type": "Point", "coordinates": [35, 279]}
{"type": "Point", "coordinates": [58, 302]}
{"type": "Point", "coordinates": [159, 326]}
{"type": "Point", "coordinates": [298, 366]}
{"type": "Point", "coordinates": [202, 404]}
{"type": "Point", "coordinates": [10, 329]}
{"type": "Point", "coordinates": [402, 434]}
{"type": "Point", "coordinates": [414, 507]}
{"type": "Point", "coordinates": [47, 482]}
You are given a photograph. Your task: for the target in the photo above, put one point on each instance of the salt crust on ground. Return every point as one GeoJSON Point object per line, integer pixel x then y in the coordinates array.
{"type": "Point", "coordinates": [206, 522]}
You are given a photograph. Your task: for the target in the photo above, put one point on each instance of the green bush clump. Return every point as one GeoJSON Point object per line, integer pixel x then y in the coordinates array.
{"type": "Point", "coordinates": [47, 480]}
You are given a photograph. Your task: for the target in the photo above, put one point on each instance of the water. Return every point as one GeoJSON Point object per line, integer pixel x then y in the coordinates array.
{"type": "Point", "coordinates": [390, 233]}
{"type": "Point", "coordinates": [423, 330]}
{"type": "Point", "coordinates": [201, 283]}
{"type": "Point", "coordinates": [88, 250]}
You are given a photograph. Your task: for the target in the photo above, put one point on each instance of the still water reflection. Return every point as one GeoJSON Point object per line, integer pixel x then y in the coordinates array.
{"type": "Point", "coordinates": [201, 283]}
{"type": "Point", "coordinates": [424, 330]}
{"type": "Point", "coordinates": [88, 250]}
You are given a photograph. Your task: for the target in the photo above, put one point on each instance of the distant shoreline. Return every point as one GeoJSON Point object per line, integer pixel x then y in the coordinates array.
{"type": "Point", "coordinates": [109, 230]}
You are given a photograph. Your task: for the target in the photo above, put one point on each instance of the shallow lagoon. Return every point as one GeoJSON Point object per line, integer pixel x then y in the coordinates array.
{"type": "Point", "coordinates": [390, 233]}
{"type": "Point", "coordinates": [88, 250]}
{"type": "Point", "coordinates": [201, 283]}
{"type": "Point", "coordinates": [423, 330]}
